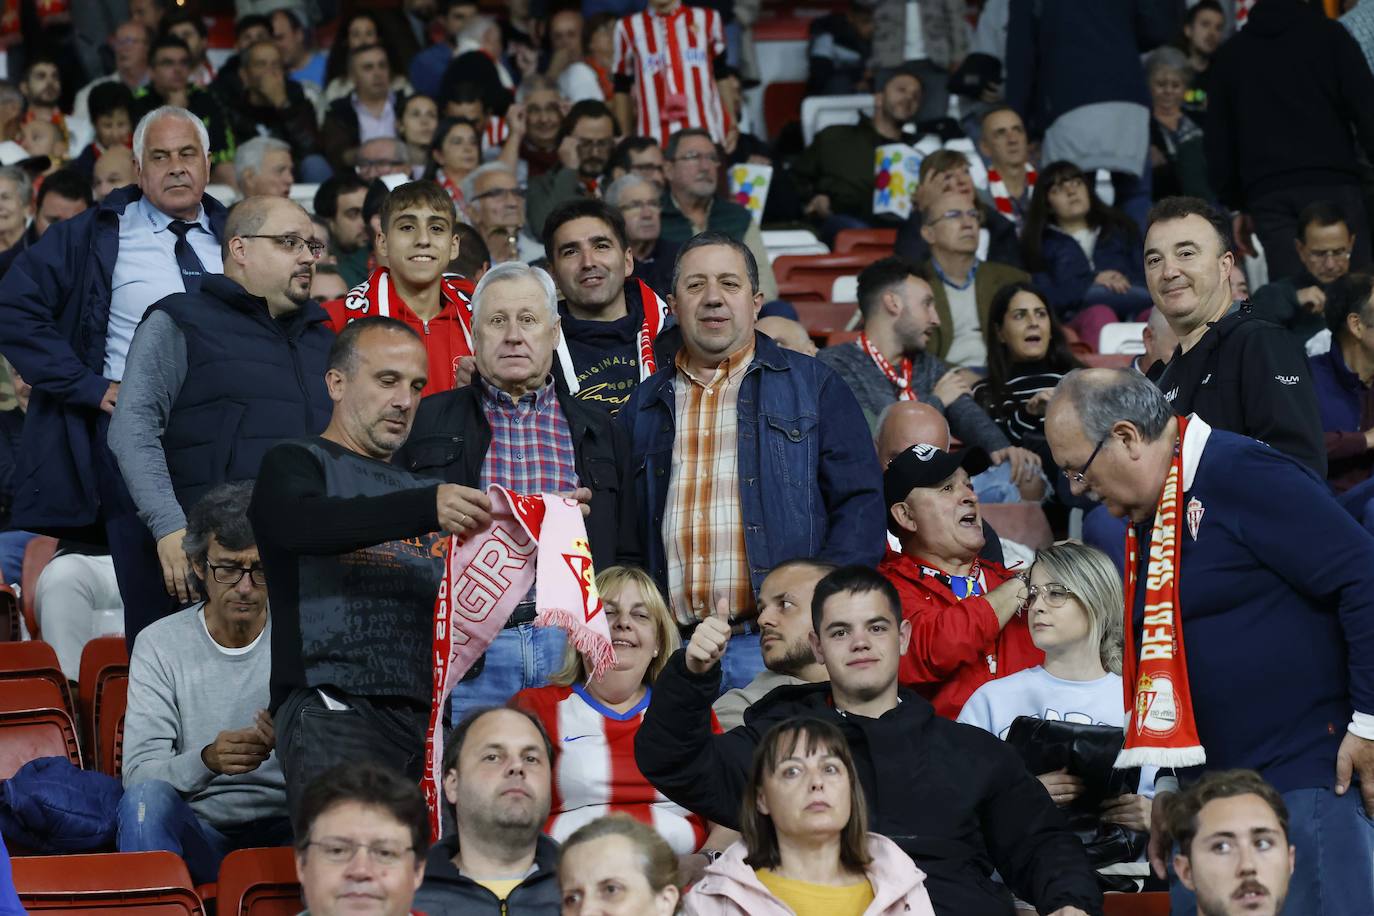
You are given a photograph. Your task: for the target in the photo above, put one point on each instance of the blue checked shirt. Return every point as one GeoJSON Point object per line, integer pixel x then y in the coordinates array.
{"type": "Point", "coordinates": [531, 447]}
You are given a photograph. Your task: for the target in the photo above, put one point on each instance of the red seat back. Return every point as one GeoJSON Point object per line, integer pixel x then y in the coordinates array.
{"type": "Point", "coordinates": [10, 614]}
{"type": "Point", "coordinates": [153, 883]}
{"type": "Point", "coordinates": [18, 694]}
{"type": "Point", "coordinates": [259, 882]}
{"type": "Point", "coordinates": [37, 555]}
{"type": "Point", "coordinates": [781, 103]}
{"type": "Point", "coordinates": [879, 242]}
{"type": "Point", "coordinates": [109, 725]}
{"type": "Point", "coordinates": [788, 267]}
{"type": "Point", "coordinates": [100, 659]}
{"type": "Point", "coordinates": [35, 658]}
{"type": "Point", "coordinates": [1152, 904]}
{"type": "Point", "coordinates": [820, 319]}
{"type": "Point", "coordinates": [29, 734]}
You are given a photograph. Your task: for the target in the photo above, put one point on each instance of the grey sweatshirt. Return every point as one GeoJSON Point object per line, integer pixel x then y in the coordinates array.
{"type": "Point", "coordinates": [184, 689]}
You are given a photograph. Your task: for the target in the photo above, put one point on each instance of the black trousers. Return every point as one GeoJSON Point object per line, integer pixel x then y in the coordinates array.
{"type": "Point", "coordinates": [1276, 223]}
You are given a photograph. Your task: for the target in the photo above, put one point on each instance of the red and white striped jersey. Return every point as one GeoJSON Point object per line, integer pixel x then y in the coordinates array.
{"type": "Point", "coordinates": [594, 769]}
{"type": "Point", "coordinates": [495, 135]}
{"type": "Point", "coordinates": [671, 58]}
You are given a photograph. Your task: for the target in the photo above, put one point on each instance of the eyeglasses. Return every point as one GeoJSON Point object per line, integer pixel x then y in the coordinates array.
{"type": "Point", "coordinates": [1082, 472]}
{"type": "Point", "coordinates": [1331, 254]}
{"type": "Point", "coordinates": [974, 214]}
{"type": "Point", "coordinates": [232, 575]}
{"type": "Point", "coordinates": [292, 244]}
{"type": "Point", "coordinates": [515, 193]}
{"type": "Point", "coordinates": [694, 158]}
{"type": "Point", "coordinates": [652, 205]}
{"type": "Point", "coordinates": [341, 852]}
{"type": "Point", "coordinates": [1055, 595]}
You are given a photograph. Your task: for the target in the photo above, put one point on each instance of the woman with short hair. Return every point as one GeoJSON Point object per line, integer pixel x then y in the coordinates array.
{"type": "Point", "coordinates": [616, 864]}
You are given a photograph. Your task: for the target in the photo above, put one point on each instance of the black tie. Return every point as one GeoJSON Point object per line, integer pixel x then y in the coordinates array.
{"type": "Point", "coordinates": [191, 268]}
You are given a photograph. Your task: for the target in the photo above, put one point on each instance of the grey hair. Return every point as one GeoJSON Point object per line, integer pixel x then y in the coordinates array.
{"type": "Point", "coordinates": [469, 184]}
{"type": "Point", "coordinates": [249, 156]}
{"type": "Point", "coordinates": [509, 272]}
{"type": "Point", "coordinates": [1166, 58]}
{"type": "Point", "coordinates": [1095, 582]}
{"type": "Point", "coordinates": [223, 513]}
{"type": "Point", "coordinates": [621, 185]}
{"type": "Point", "coordinates": [708, 239]}
{"type": "Point", "coordinates": [471, 34]}
{"type": "Point", "coordinates": [532, 84]}
{"type": "Point", "coordinates": [23, 182]}
{"type": "Point", "coordinates": [1104, 397]}
{"type": "Point", "coordinates": [168, 111]}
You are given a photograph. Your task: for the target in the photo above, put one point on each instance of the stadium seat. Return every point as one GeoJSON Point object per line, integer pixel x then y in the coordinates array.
{"type": "Point", "coordinates": [779, 242]}
{"type": "Point", "coordinates": [1106, 360]}
{"type": "Point", "coordinates": [1122, 337]}
{"type": "Point", "coordinates": [37, 555]}
{"type": "Point", "coordinates": [10, 615]}
{"type": "Point", "coordinates": [18, 694]}
{"type": "Point", "coordinates": [101, 658]}
{"type": "Point", "coordinates": [781, 104]}
{"type": "Point", "coordinates": [835, 338]}
{"type": "Point", "coordinates": [811, 289]}
{"type": "Point", "coordinates": [877, 241]}
{"type": "Point", "coordinates": [821, 318]}
{"type": "Point", "coordinates": [109, 725]}
{"type": "Point", "coordinates": [1151, 904]}
{"type": "Point", "coordinates": [35, 658]}
{"type": "Point", "coordinates": [259, 882]}
{"type": "Point", "coordinates": [829, 266]}
{"type": "Point", "coordinates": [138, 883]}
{"type": "Point", "coordinates": [29, 734]}
{"type": "Point", "coordinates": [820, 111]}
{"type": "Point", "coordinates": [845, 289]}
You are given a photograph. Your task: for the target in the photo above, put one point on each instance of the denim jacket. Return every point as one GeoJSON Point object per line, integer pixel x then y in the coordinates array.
{"type": "Point", "coordinates": [809, 479]}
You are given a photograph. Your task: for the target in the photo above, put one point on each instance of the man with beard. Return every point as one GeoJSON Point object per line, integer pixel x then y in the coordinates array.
{"type": "Point", "coordinates": [585, 142]}
{"type": "Point", "coordinates": [217, 377]}
{"type": "Point", "coordinates": [785, 624]}
{"type": "Point", "coordinates": [498, 784]}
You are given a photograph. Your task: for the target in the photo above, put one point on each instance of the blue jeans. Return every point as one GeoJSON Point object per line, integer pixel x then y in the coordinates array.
{"type": "Point", "coordinates": [154, 816]}
{"type": "Point", "coordinates": [12, 544]}
{"type": "Point", "coordinates": [519, 657]}
{"type": "Point", "coordinates": [1358, 501]}
{"type": "Point", "coordinates": [741, 663]}
{"type": "Point", "coordinates": [1334, 874]}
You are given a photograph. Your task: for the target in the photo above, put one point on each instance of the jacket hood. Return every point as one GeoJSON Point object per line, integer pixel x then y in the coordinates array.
{"type": "Point", "coordinates": [1272, 18]}
{"type": "Point", "coordinates": [814, 700]}
{"type": "Point", "coordinates": [439, 862]}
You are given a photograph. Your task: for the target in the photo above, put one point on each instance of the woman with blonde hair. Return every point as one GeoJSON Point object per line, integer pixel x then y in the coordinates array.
{"type": "Point", "coordinates": [616, 864]}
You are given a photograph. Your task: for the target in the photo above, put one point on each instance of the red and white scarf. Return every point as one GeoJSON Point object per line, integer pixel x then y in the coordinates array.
{"type": "Point", "coordinates": [1160, 727]}
{"type": "Point", "coordinates": [532, 540]}
{"type": "Point", "coordinates": [455, 192]}
{"type": "Point", "coordinates": [655, 317]}
{"type": "Point", "coordinates": [1243, 12]}
{"type": "Point", "coordinates": [1001, 197]}
{"type": "Point", "coordinates": [50, 12]}
{"type": "Point", "coordinates": [372, 297]}
{"type": "Point", "coordinates": [901, 380]}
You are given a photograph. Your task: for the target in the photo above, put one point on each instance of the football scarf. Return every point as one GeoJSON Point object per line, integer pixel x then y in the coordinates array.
{"type": "Point", "coordinates": [49, 12]}
{"type": "Point", "coordinates": [373, 297]}
{"type": "Point", "coordinates": [1001, 197]}
{"type": "Point", "coordinates": [900, 380]}
{"type": "Point", "coordinates": [655, 312]}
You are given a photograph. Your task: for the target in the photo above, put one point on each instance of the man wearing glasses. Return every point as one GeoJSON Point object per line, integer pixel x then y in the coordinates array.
{"type": "Point", "coordinates": [585, 142]}
{"type": "Point", "coordinates": [1324, 245]}
{"type": "Point", "coordinates": [496, 203]}
{"type": "Point", "coordinates": [216, 377]}
{"type": "Point", "coordinates": [199, 773]}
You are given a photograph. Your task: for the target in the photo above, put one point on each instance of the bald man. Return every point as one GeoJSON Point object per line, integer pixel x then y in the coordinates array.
{"type": "Point", "coordinates": [218, 376]}
{"type": "Point", "coordinates": [114, 169]}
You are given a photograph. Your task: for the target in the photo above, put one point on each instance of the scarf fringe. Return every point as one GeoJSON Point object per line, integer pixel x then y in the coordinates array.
{"type": "Point", "coordinates": [597, 652]}
{"type": "Point", "coordinates": [1130, 758]}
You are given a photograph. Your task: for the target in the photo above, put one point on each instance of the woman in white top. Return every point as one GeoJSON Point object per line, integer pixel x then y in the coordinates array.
{"type": "Point", "coordinates": [1074, 612]}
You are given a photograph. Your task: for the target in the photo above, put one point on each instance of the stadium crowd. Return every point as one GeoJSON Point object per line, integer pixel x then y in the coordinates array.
{"type": "Point", "coordinates": [289, 327]}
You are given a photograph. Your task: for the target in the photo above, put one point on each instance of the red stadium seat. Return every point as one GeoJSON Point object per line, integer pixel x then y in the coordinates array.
{"type": "Point", "coordinates": [878, 242]}
{"type": "Point", "coordinates": [835, 338]}
{"type": "Point", "coordinates": [259, 882]}
{"type": "Point", "coordinates": [781, 104]}
{"type": "Point", "coordinates": [101, 658]}
{"type": "Point", "coordinates": [10, 615]}
{"type": "Point", "coordinates": [805, 289]}
{"type": "Point", "coordinates": [137, 883]}
{"type": "Point", "coordinates": [29, 734]}
{"type": "Point", "coordinates": [791, 267]}
{"type": "Point", "coordinates": [19, 694]}
{"type": "Point", "coordinates": [35, 658]}
{"type": "Point", "coordinates": [1152, 904]}
{"type": "Point", "coordinates": [109, 725]}
{"type": "Point", "coordinates": [820, 319]}
{"type": "Point", "coordinates": [37, 555]}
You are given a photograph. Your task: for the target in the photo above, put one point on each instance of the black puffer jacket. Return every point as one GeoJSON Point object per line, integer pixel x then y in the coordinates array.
{"type": "Point", "coordinates": [446, 892]}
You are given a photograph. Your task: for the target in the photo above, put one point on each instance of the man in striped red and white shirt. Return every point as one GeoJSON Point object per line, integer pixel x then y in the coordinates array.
{"type": "Point", "coordinates": [668, 55]}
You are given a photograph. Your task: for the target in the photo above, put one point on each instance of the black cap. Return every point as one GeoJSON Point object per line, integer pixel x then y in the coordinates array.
{"type": "Point", "coordinates": [925, 466]}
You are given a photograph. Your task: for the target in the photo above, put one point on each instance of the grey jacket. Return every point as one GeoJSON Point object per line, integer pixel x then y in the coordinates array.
{"type": "Point", "coordinates": [448, 892]}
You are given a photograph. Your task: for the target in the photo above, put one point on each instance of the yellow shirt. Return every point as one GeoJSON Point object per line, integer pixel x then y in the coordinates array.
{"type": "Point", "coordinates": [807, 899]}
{"type": "Point", "coordinates": [501, 887]}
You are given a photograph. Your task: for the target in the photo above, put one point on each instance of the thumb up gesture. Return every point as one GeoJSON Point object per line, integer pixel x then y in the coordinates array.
{"type": "Point", "coordinates": [709, 640]}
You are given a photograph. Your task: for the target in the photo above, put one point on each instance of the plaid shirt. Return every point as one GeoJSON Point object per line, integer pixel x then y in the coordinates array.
{"type": "Point", "coordinates": [703, 526]}
{"type": "Point", "coordinates": [531, 448]}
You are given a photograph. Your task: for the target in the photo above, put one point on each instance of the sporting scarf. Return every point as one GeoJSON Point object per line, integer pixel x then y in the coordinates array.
{"type": "Point", "coordinates": [655, 312]}
{"type": "Point", "coordinates": [50, 12]}
{"type": "Point", "coordinates": [372, 297]}
{"type": "Point", "coordinates": [1001, 197]}
{"type": "Point", "coordinates": [531, 540]}
{"type": "Point", "coordinates": [1243, 12]}
{"type": "Point", "coordinates": [1161, 729]}
{"type": "Point", "coordinates": [902, 380]}
{"type": "Point", "coordinates": [455, 192]}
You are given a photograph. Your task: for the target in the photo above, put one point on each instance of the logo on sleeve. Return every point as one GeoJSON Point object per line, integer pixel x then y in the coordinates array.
{"type": "Point", "coordinates": [1287, 379]}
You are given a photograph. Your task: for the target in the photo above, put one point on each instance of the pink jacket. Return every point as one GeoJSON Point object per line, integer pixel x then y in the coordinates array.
{"type": "Point", "coordinates": [730, 887]}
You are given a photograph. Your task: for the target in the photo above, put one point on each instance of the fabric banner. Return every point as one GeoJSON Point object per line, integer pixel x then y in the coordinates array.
{"type": "Point", "coordinates": [749, 184]}
{"type": "Point", "coordinates": [896, 172]}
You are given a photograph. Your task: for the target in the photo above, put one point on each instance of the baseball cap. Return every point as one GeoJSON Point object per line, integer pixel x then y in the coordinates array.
{"type": "Point", "coordinates": [925, 466]}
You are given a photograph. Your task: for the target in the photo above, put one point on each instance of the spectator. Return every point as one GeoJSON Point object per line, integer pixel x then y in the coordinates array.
{"type": "Point", "coordinates": [806, 839]}
{"type": "Point", "coordinates": [249, 29]}
{"type": "Point", "coordinates": [1204, 28]}
{"type": "Point", "coordinates": [71, 303]}
{"type": "Point", "coordinates": [415, 125]}
{"type": "Point", "coordinates": [1178, 155]}
{"type": "Point", "coordinates": [114, 169]}
{"type": "Point", "coordinates": [417, 240]}
{"type": "Point", "coordinates": [263, 167]}
{"type": "Point", "coordinates": [1073, 601]}
{"type": "Point", "coordinates": [945, 171]}
{"type": "Point", "coordinates": [1231, 831]}
{"type": "Point", "coordinates": [1263, 389]}
{"type": "Point", "coordinates": [473, 259]}
{"type": "Point", "coordinates": [835, 173]}
{"type": "Point", "coordinates": [383, 156]}
{"type": "Point", "coordinates": [543, 106]}
{"type": "Point", "coordinates": [427, 68]}
{"type": "Point", "coordinates": [361, 806]}
{"type": "Point", "coordinates": [303, 65]}
{"type": "Point", "coordinates": [111, 106]}
{"type": "Point", "coordinates": [496, 204]}
{"type": "Point", "coordinates": [147, 13]}
{"type": "Point", "coordinates": [130, 45]}
{"type": "Point", "coordinates": [270, 105]}
{"type": "Point", "coordinates": [935, 36]}
{"type": "Point", "coordinates": [964, 284]}
{"type": "Point", "coordinates": [667, 56]}
{"type": "Point", "coordinates": [45, 145]}
{"type": "Point", "coordinates": [497, 784]}
{"type": "Point", "coordinates": [16, 205]}
{"type": "Point", "coordinates": [518, 430]}
{"type": "Point", "coordinates": [199, 775]}
{"type": "Point", "coordinates": [785, 638]}
{"type": "Point", "coordinates": [1160, 340]}
{"type": "Point", "coordinates": [1083, 253]}
{"type": "Point", "coordinates": [1320, 101]}
{"type": "Point", "coordinates": [816, 497]}
{"type": "Point", "coordinates": [366, 112]}
{"type": "Point", "coordinates": [1011, 174]}
{"type": "Point", "coordinates": [12, 542]}
{"type": "Point", "coordinates": [617, 863]}
{"type": "Point", "coordinates": [564, 41]}
{"type": "Point", "coordinates": [963, 609]}
{"type": "Point", "coordinates": [169, 85]}
{"type": "Point", "coordinates": [76, 599]}
{"type": "Point", "coordinates": [361, 28]}
{"type": "Point", "coordinates": [640, 204]}
{"type": "Point", "coordinates": [190, 28]}
{"type": "Point", "coordinates": [340, 201]}
{"type": "Point", "coordinates": [1306, 582]}
{"type": "Point", "coordinates": [691, 205]}
{"type": "Point", "coordinates": [585, 141]}
{"type": "Point", "coordinates": [11, 110]}
{"type": "Point", "coordinates": [478, 62]}
{"type": "Point", "coordinates": [41, 87]}
{"type": "Point", "coordinates": [1341, 377]}
{"type": "Point", "coordinates": [63, 195]}
{"type": "Point", "coordinates": [185, 388]}
{"type": "Point", "coordinates": [607, 712]}
{"type": "Point", "coordinates": [609, 324]}
{"type": "Point", "coordinates": [1324, 245]}
{"type": "Point", "coordinates": [467, 100]}
{"type": "Point", "coordinates": [454, 153]}
{"type": "Point", "coordinates": [346, 541]}
{"type": "Point", "coordinates": [839, 46]}
{"type": "Point", "coordinates": [975, 808]}
{"type": "Point", "coordinates": [640, 156]}
{"type": "Point", "coordinates": [327, 284]}
{"type": "Point", "coordinates": [590, 76]}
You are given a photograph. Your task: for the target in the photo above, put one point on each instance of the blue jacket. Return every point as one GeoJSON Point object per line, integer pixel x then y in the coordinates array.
{"type": "Point", "coordinates": [50, 806]}
{"type": "Point", "coordinates": [54, 311]}
{"type": "Point", "coordinates": [1347, 410]}
{"type": "Point", "coordinates": [809, 479]}
{"type": "Point", "coordinates": [1276, 593]}
{"type": "Point", "coordinates": [1067, 274]}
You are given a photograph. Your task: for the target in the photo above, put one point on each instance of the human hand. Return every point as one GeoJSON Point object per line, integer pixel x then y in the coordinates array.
{"type": "Point", "coordinates": [464, 370]}
{"type": "Point", "coordinates": [1038, 402]}
{"type": "Point", "coordinates": [107, 403]}
{"type": "Point", "coordinates": [1369, 438]}
{"type": "Point", "coordinates": [568, 155]}
{"type": "Point", "coordinates": [1025, 464]}
{"type": "Point", "coordinates": [709, 640]}
{"type": "Point", "coordinates": [1062, 787]}
{"type": "Point", "coordinates": [1243, 230]}
{"type": "Point", "coordinates": [462, 509]}
{"type": "Point", "coordinates": [818, 207]}
{"type": "Point", "coordinates": [1160, 843]}
{"type": "Point", "coordinates": [953, 385]}
{"type": "Point", "coordinates": [1131, 811]}
{"type": "Point", "coordinates": [517, 119]}
{"type": "Point", "coordinates": [176, 569]}
{"type": "Point", "coordinates": [1313, 299]}
{"type": "Point", "coordinates": [731, 138]}
{"type": "Point", "coordinates": [1356, 755]}
{"type": "Point", "coordinates": [235, 752]}
{"type": "Point", "coordinates": [583, 495]}
{"type": "Point", "coordinates": [1113, 280]}
{"type": "Point", "coordinates": [526, 59]}
{"type": "Point", "coordinates": [263, 723]}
